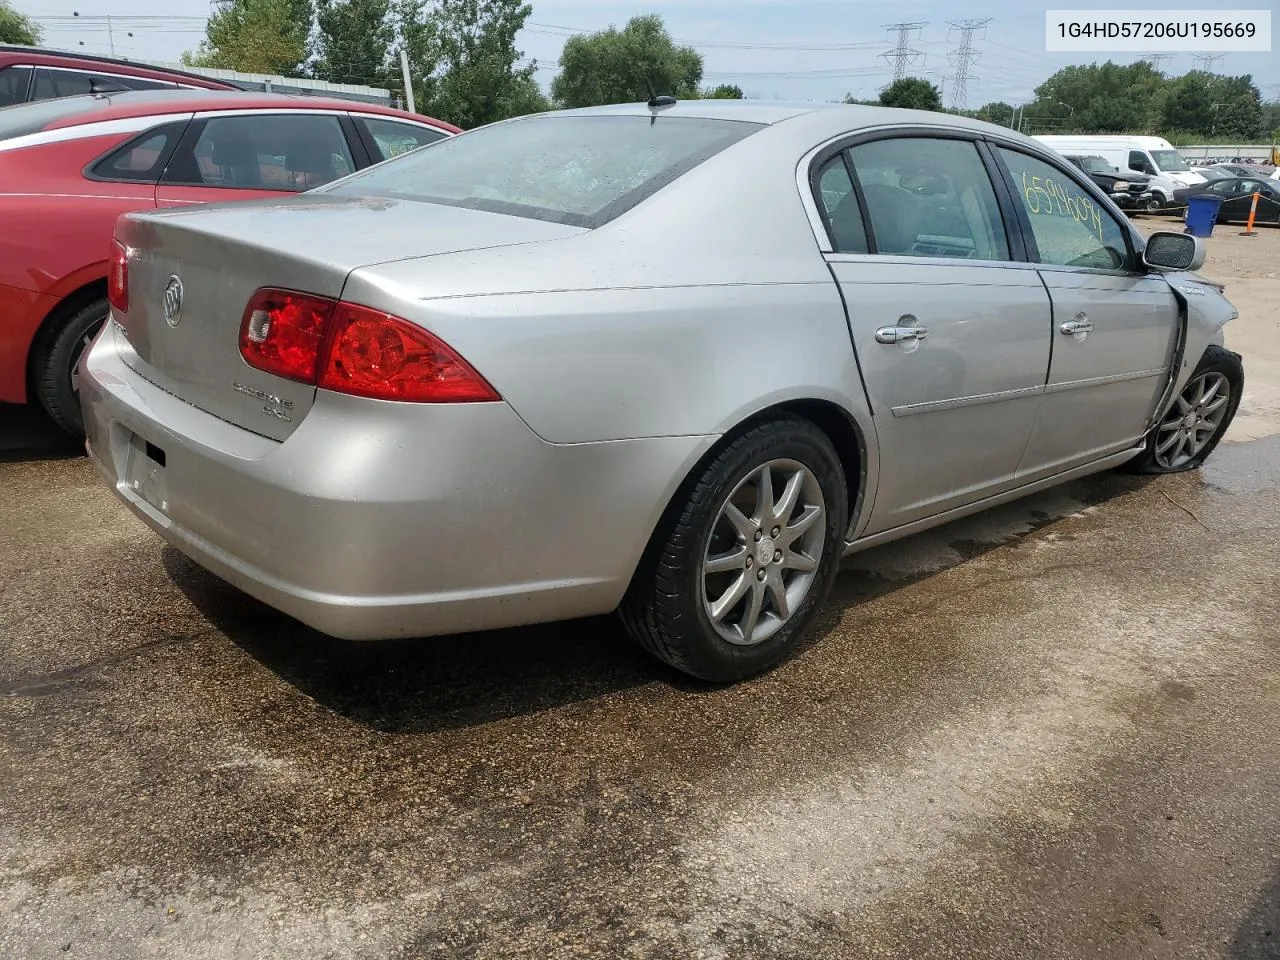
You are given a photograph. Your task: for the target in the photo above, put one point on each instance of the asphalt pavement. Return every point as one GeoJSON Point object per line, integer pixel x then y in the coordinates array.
{"type": "Point", "coordinates": [1052, 730]}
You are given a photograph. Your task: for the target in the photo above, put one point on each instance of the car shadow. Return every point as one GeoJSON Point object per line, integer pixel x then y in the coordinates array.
{"type": "Point", "coordinates": [422, 685]}
{"type": "Point", "coordinates": [26, 433]}
{"type": "Point", "coordinates": [1258, 935]}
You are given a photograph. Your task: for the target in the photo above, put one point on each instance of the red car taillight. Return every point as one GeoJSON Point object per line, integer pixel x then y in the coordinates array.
{"type": "Point", "coordinates": [356, 350]}
{"type": "Point", "coordinates": [282, 333]}
{"type": "Point", "coordinates": [118, 278]}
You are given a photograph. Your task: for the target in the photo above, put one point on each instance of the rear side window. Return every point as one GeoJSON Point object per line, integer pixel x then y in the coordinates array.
{"type": "Point", "coordinates": [393, 138]}
{"type": "Point", "coordinates": [930, 198]}
{"type": "Point", "coordinates": [840, 207]}
{"type": "Point", "coordinates": [143, 158]}
{"type": "Point", "coordinates": [577, 170]}
{"type": "Point", "coordinates": [285, 152]}
{"type": "Point", "coordinates": [14, 82]}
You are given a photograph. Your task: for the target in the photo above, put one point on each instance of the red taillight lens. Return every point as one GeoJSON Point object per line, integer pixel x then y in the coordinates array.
{"type": "Point", "coordinates": [282, 333]}
{"type": "Point", "coordinates": [118, 278]}
{"type": "Point", "coordinates": [373, 354]}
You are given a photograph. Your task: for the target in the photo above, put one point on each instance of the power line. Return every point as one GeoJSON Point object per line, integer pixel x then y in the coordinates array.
{"type": "Point", "coordinates": [962, 58]}
{"type": "Point", "coordinates": [903, 55]}
{"type": "Point", "coordinates": [1156, 59]}
{"type": "Point", "coordinates": [1209, 59]}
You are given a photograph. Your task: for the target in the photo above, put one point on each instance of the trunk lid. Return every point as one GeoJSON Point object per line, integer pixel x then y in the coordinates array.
{"type": "Point", "coordinates": [219, 255]}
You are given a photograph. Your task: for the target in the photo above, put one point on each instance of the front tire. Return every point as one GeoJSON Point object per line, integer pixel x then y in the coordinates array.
{"type": "Point", "coordinates": [747, 552]}
{"type": "Point", "coordinates": [1198, 418]}
{"type": "Point", "coordinates": [1155, 203]}
{"type": "Point", "coordinates": [56, 361]}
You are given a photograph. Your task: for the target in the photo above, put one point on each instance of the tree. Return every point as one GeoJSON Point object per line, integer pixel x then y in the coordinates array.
{"type": "Point", "coordinates": [354, 41]}
{"type": "Point", "coordinates": [255, 36]}
{"type": "Point", "coordinates": [463, 58]}
{"type": "Point", "coordinates": [912, 93]}
{"type": "Point", "coordinates": [997, 112]}
{"type": "Point", "coordinates": [17, 28]}
{"type": "Point", "coordinates": [618, 66]}
{"type": "Point", "coordinates": [725, 91]}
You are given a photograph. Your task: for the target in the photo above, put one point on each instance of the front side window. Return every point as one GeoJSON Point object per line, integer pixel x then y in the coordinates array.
{"type": "Point", "coordinates": [930, 198]}
{"type": "Point", "coordinates": [1069, 227]}
{"type": "Point", "coordinates": [1138, 161]}
{"type": "Point", "coordinates": [1169, 160]}
{"type": "Point", "coordinates": [840, 205]}
{"type": "Point", "coordinates": [393, 138]}
{"type": "Point", "coordinates": [582, 171]}
{"type": "Point", "coordinates": [278, 152]}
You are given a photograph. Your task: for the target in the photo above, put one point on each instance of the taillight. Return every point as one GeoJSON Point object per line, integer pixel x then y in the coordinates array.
{"type": "Point", "coordinates": [356, 350]}
{"type": "Point", "coordinates": [282, 333]}
{"type": "Point", "coordinates": [118, 278]}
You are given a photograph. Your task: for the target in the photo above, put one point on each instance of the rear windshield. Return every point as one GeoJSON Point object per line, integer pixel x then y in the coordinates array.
{"type": "Point", "coordinates": [1095, 165]}
{"type": "Point", "coordinates": [24, 118]}
{"type": "Point", "coordinates": [582, 171]}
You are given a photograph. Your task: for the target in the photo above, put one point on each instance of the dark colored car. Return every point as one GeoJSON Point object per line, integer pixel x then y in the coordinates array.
{"type": "Point", "coordinates": [29, 73]}
{"type": "Point", "coordinates": [1245, 169]}
{"type": "Point", "coordinates": [1129, 190]}
{"type": "Point", "coordinates": [1236, 194]}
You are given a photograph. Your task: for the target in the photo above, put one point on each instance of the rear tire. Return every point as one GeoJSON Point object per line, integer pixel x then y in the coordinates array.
{"type": "Point", "coordinates": [723, 538]}
{"type": "Point", "coordinates": [1198, 418]}
{"type": "Point", "coordinates": [56, 362]}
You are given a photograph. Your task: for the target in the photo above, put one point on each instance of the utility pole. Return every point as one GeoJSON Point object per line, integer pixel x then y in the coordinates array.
{"type": "Point", "coordinates": [903, 55]}
{"type": "Point", "coordinates": [1209, 59]}
{"type": "Point", "coordinates": [408, 83]}
{"type": "Point", "coordinates": [962, 58]}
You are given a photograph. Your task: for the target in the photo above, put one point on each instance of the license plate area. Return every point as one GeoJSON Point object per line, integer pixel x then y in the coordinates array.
{"type": "Point", "coordinates": [145, 473]}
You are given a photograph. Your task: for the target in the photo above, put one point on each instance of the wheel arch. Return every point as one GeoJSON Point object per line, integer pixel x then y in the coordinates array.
{"type": "Point", "coordinates": [68, 306]}
{"type": "Point", "coordinates": [847, 436]}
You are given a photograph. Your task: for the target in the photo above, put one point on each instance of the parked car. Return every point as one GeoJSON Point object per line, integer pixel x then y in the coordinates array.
{"type": "Point", "coordinates": [1129, 191]}
{"type": "Point", "coordinates": [557, 366]}
{"type": "Point", "coordinates": [71, 166]}
{"type": "Point", "coordinates": [29, 73]}
{"type": "Point", "coordinates": [1244, 169]}
{"type": "Point", "coordinates": [1154, 156]}
{"type": "Point", "coordinates": [1236, 194]}
{"type": "Point", "coordinates": [1211, 174]}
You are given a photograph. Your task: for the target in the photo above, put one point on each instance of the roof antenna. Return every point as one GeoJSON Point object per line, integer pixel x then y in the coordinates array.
{"type": "Point", "coordinates": [655, 100]}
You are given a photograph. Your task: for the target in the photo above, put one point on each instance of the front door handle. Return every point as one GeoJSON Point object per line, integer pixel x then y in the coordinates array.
{"type": "Point", "coordinates": [1081, 324]}
{"type": "Point", "coordinates": [901, 334]}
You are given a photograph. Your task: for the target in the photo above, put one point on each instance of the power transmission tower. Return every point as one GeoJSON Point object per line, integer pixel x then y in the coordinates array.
{"type": "Point", "coordinates": [1209, 59]}
{"type": "Point", "coordinates": [962, 59]}
{"type": "Point", "coordinates": [1158, 58]}
{"type": "Point", "coordinates": [903, 55]}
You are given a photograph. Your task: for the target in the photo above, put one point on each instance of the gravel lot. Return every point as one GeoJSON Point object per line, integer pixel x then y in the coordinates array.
{"type": "Point", "coordinates": [1048, 731]}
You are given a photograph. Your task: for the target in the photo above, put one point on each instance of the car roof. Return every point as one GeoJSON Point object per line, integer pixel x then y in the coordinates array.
{"type": "Point", "coordinates": [143, 103]}
{"type": "Point", "coordinates": [17, 55]}
{"type": "Point", "coordinates": [839, 116]}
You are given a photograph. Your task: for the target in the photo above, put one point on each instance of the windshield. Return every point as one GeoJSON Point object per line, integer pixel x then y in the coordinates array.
{"type": "Point", "coordinates": [24, 118]}
{"type": "Point", "coordinates": [1209, 173]}
{"type": "Point", "coordinates": [579, 170]}
{"type": "Point", "coordinates": [1168, 160]}
{"type": "Point", "coordinates": [1095, 165]}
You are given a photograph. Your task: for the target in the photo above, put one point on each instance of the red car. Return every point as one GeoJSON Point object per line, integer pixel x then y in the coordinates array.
{"type": "Point", "coordinates": [70, 167]}
{"type": "Point", "coordinates": [29, 73]}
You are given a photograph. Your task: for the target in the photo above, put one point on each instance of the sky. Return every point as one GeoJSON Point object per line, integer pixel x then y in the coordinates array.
{"type": "Point", "coordinates": [772, 49]}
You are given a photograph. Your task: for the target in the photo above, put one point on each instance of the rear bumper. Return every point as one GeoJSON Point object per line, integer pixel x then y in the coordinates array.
{"type": "Point", "coordinates": [377, 520]}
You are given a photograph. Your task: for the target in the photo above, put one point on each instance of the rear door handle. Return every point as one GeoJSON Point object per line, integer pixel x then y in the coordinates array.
{"type": "Point", "coordinates": [901, 334]}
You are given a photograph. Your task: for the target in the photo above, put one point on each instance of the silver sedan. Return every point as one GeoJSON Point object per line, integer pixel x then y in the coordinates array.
{"type": "Point", "coordinates": [670, 359]}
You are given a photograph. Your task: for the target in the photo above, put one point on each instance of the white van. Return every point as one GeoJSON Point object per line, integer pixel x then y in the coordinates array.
{"type": "Point", "coordinates": [1154, 156]}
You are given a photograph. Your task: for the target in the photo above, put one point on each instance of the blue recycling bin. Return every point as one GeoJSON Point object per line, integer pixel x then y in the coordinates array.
{"type": "Point", "coordinates": [1202, 213]}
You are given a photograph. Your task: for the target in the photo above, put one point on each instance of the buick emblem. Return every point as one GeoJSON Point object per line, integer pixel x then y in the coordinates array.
{"type": "Point", "coordinates": [172, 301]}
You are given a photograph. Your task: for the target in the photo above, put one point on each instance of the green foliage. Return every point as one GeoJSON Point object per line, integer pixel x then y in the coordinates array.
{"type": "Point", "coordinates": [725, 91]}
{"type": "Point", "coordinates": [618, 66]}
{"type": "Point", "coordinates": [912, 93]}
{"type": "Point", "coordinates": [354, 41]}
{"type": "Point", "coordinates": [463, 60]}
{"type": "Point", "coordinates": [255, 36]}
{"type": "Point", "coordinates": [997, 112]}
{"type": "Point", "coordinates": [17, 28]}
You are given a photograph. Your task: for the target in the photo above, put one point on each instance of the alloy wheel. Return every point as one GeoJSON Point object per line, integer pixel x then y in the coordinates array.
{"type": "Point", "coordinates": [1193, 420]}
{"type": "Point", "coordinates": [762, 555]}
{"type": "Point", "coordinates": [78, 352]}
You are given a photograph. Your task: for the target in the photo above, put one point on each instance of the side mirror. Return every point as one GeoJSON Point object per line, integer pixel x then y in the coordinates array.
{"type": "Point", "coordinates": [1175, 251]}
